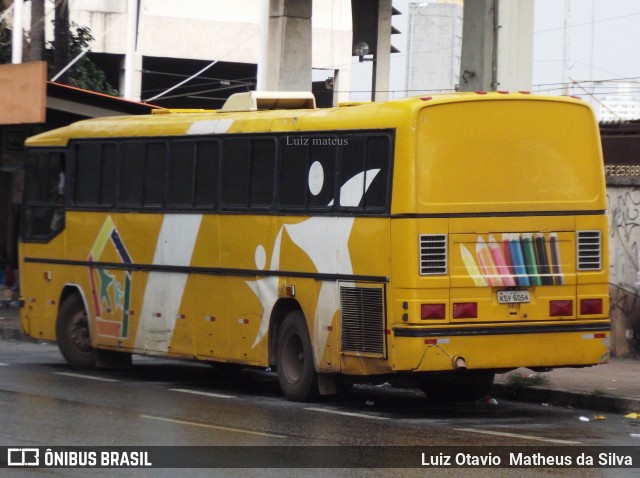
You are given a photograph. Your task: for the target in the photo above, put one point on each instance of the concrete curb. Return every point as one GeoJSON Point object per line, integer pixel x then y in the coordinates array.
{"type": "Point", "coordinates": [567, 398]}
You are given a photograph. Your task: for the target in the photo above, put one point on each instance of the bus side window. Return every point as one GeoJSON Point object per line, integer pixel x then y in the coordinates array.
{"type": "Point", "coordinates": [322, 173]}
{"type": "Point", "coordinates": [248, 168]}
{"type": "Point", "coordinates": [131, 174]}
{"type": "Point", "coordinates": [181, 174]}
{"type": "Point", "coordinates": [108, 174]}
{"type": "Point", "coordinates": [207, 164]}
{"type": "Point", "coordinates": [352, 164]}
{"type": "Point", "coordinates": [306, 173]}
{"type": "Point", "coordinates": [155, 173]}
{"type": "Point", "coordinates": [263, 160]}
{"type": "Point", "coordinates": [95, 175]}
{"type": "Point", "coordinates": [44, 196]}
{"type": "Point", "coordinates": [36, 170]}
{"type": "Point", "coordinates": [88, 173]}
{"type": "Point", "coordinates": [378, 155]}
{"type": "Point", "coordinates": [366, 158]}
{"type": "Point", "coordinates": [293, 173]}
{"type": "Point", "coordinates": [236, 164]}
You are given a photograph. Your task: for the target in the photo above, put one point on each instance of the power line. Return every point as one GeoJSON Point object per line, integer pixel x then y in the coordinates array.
{"type": "Point", "coordinates": [587, 23]}
{"type": "Point", "coordinates": [182, 95]}
{"type": "Point", "coordinates": [203, 69]}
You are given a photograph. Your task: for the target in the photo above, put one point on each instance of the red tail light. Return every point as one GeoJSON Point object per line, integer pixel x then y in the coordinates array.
{"type": "Point", "coordinates": [465, 310]}
{"type": "Point", "coordinates": [590, 306]}
{"type": "Point", "coordinates": [432, 311]}
{"type": "Point", "coordinates": [561, 308]}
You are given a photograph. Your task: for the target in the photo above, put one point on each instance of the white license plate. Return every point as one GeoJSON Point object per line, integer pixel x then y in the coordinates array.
{"type": "Point", "coordinates": [513, 296]}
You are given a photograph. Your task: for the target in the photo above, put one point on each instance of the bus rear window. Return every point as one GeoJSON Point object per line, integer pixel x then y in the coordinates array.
{"type": "Point", "coordinates": [507, 155]}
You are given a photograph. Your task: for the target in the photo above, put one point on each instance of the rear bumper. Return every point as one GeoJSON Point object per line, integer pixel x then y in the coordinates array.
{"type": "Point", "coordinates": [503, 346]}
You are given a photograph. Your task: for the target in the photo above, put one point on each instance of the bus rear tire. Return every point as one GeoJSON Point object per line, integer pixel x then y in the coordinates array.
{"type": "Point", "coordinates": [296, 371]}
{"type": "Point", "coordinates": [459, 386]}
{"type": "Point", "coordinates": [72, 333]}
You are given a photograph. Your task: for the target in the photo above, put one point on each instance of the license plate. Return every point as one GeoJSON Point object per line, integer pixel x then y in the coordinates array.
{"type": "Point", "coordinates": [513, 296]}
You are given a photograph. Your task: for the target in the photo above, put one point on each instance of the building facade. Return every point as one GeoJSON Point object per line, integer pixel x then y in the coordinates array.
{"type": "Point", "coordinates": [434, 42]}
{"type": "Point", "coordinates": [621, 151]}
{"type": "Point", "coordinates": [174, 41]}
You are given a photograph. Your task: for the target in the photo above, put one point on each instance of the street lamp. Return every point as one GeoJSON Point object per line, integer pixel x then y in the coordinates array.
{"type": "Point", "coordinates": [361, 49]}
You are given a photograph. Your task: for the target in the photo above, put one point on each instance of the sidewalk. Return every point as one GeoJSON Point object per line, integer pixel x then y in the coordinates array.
{"type": "Point", "coordinates": [613, 387]}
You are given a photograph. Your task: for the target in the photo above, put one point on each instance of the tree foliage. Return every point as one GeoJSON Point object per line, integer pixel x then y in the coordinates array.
{"type": "Point", "coordinates": [83, 74]}
{"type": "Point", "coordinates": [5, 43]}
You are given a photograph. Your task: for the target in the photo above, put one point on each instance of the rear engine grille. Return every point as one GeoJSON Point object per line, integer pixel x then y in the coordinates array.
{"type": "Point", "coordinates": [589, 247]}
{"type": "Point", "coordinates": [362, 310]}
{"type": "Point", "coordinates": [433, 254]}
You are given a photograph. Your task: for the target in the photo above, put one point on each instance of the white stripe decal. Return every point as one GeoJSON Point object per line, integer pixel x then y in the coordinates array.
{"type": "Point", "coordinates": [210, 126]}
{"type": "Point", "coordinates": [516, 435]}
{"type": "Point", "coordinates": [163, 293]}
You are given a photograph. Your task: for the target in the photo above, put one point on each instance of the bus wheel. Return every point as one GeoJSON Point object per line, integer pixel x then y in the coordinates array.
{"type": "Point", "coordinates": [464, 386]}
{"type": "Point", "coordinates": [72, 333]}
{"type": "Point", "coordinates": [296, 371]}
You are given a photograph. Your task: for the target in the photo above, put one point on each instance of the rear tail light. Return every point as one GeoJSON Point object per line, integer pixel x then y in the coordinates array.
{"type": "Point", "coordinates": [590, 306]}
{"type": "Point", "coordinates": [465, 310]}
{"type": "Point", "coordinates": [432, 311]}
{"type": "Point", "coordinates": [561, 308]}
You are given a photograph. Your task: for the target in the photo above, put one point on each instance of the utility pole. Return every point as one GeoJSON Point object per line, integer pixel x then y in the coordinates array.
{"type": "Point", "coordinates": [16, 39]}
{"type": "Point", "coordinates": [61, 39]}
{"type": "Point", "coordinates": [132, 67]}
{"type": "Point", "coordinates": [37, 30]}
{"type": "Point", "coordinates": [566, 50]}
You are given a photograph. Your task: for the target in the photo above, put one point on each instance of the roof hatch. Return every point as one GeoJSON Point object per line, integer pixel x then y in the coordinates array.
{"type": "Point", "coordinates": [270, 100]}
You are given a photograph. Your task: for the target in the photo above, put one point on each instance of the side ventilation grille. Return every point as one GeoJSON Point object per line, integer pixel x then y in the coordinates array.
{"type": "Point", "coordinates": [362, 319]}
{"type": "Point", "coordinates": [589, 251]}
{"type": "Point", "coordinates": [433, 254]}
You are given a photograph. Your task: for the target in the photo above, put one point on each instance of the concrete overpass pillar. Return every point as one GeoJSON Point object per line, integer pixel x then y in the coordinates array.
{"type": "Point", "coordinates": [288, 59]}
{"type": "Point", "coordinates": [515, 45]}
{"type": "Point", "coordinates": [382, 64]}
{"type": "Point", "coordinates": [497, 45]}
{"type": "Point", "coordinates": [478, 62]}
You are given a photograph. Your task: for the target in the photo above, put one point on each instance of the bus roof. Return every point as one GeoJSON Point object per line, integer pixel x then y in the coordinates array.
{"type": "Point", "coordinates": [350, 115]}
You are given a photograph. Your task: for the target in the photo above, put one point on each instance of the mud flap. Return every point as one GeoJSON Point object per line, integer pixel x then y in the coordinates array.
{"type": "Point", "coordinates": [327, 384]}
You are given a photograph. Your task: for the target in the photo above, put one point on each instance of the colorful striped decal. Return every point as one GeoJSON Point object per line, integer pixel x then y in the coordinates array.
{"type": "Point", "coordinates": [518, 260]}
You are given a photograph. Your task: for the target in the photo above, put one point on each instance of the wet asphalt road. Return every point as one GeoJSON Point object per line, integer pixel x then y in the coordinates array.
{"type": "Point", "coordinates": [43, 402]}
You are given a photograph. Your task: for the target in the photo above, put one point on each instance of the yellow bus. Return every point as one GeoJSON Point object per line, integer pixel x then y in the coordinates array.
{"type": "Point", "coordinates": [435, 240]}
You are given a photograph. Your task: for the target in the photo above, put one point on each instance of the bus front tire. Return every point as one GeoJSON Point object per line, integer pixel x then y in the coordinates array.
{"type": "Point", "coordinates": [72, 333]}
{"type": "Point", "coordinates": [296, 371]}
